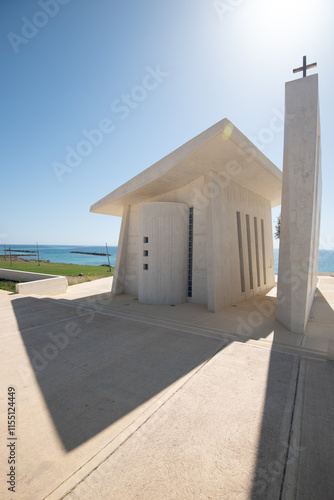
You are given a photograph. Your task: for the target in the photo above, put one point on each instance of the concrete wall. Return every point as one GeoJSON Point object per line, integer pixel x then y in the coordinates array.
{"type": "Point", "coordinates": [132, 251]}
{"type": "Point", "coordinates": [119, 280]}
{"type": "Point", "coordinates": [216, 257]}
{"type": "Point", "coordinates": [192, 195]}
{"type": "Point", "coordinates": [35, 283]}
{"type": "Point", "coordinates": [163, 254]}
{"type": "Point", "coordinates": [301, 202]}
{"type": "Point", "coordinates": [232, 253]}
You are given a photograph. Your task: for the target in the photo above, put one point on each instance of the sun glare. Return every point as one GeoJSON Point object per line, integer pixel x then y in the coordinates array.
{"type": "Point", "coordinates": [280, 22]}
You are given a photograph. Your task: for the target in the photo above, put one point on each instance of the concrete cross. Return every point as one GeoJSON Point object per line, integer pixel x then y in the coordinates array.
{"type": "Point", "coordinates": [305, 67]}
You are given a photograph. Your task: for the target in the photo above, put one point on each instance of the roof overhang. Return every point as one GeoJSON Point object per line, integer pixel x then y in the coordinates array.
{"type": "Point", "coordinates": [221, 148]}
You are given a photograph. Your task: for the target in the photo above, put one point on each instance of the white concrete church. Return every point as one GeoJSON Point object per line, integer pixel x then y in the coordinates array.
{"type": "Point", "coordinates": [197, 226]}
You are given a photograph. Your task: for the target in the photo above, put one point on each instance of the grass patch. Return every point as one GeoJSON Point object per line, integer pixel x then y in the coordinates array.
{"type": "Point", "coordinates": [89, 272]}
{"type": "Point", "coordinates": [7, 285]}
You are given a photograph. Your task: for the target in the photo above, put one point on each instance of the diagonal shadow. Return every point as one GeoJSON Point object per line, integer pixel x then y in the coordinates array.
{"type": "Point", "coordinates": [293, 421]}
{"type": "Point", "coordinates": [256, 320]}
{"type": "Point", "coordinates": [95, 369]}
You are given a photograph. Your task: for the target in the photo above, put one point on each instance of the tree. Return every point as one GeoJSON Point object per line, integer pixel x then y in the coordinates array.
{"type": "Point", "coordinates": [278, 228]}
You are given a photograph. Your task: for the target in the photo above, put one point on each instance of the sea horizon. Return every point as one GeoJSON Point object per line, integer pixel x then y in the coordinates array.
{"type": "Point", "coordinates": [63, 254]}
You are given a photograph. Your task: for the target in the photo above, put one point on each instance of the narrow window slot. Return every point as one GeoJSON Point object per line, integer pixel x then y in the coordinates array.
{"type": "Point", "coordinates": [263, 253]}
{"type": "Point", "coordinates": [257, 252]}
{"type": "Point", "coordinates": [241, 258]}
{"type": "Point", "coordinates": [190, 251]}
{"type": "Point", "coordinates": [249, 245]}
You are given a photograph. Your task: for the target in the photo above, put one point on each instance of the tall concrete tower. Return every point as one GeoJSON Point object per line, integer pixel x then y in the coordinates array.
{"type": "Point", "coordinates": [301, 203]}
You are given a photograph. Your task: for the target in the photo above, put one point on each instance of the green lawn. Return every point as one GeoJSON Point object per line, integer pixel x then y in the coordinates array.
{"type": "Point", "coordinates": [9, 286]}
{"type": "Point", "coordinates": [89, 272]}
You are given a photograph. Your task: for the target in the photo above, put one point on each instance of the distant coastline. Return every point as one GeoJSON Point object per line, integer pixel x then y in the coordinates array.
{"type": "Point", "coordinates": [96, 256]}
{"type": "Point", "coordinates": [63, 254]}
{"type": "Point", "coordinates": [91, 253]}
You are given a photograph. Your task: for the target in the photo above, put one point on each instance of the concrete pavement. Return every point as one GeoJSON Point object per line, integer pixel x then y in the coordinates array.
{"type": "Point", "coordinates": [116, 399]}
{"type": "Point", "coordinates": [203, 443]}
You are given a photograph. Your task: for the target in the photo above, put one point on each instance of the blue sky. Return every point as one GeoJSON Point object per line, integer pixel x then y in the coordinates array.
{"type": "Point", "coordinates": [69, 67]}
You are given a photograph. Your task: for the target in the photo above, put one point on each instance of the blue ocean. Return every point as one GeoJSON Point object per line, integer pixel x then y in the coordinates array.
{"type": "Point", "coordinates": [325, 265]}
{"type": "Point", "coordinates": [62, 253]}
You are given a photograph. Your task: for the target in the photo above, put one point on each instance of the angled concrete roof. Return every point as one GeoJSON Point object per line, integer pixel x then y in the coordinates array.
{"type": "Point", "coordinates": [213, 149]}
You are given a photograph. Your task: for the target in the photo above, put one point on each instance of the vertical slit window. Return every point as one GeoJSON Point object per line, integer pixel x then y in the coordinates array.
{"type": "Point", "coordinates": [241, 257]}
{"type": "Point", "coordinates": [263, 253]}
{"type": "Point", "coordinates": [257, 252]}
{"type": "Point", "coordinates": [249, 245]}
{"type": "Point", "coordinates": [190, 251]}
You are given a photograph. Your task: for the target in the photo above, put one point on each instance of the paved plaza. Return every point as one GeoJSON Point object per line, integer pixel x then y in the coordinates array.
{"type": "Point", "coordinates": [121, 400]}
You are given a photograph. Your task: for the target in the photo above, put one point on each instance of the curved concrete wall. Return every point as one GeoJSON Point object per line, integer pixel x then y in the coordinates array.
{"type": "Point", "coordinates": [163, 253]}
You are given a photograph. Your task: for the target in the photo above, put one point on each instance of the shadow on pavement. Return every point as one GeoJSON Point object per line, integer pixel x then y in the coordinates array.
{"type": "Point", "coordinates": [299, 405]}
{"type": "Point", "coordinates": [95, 369]}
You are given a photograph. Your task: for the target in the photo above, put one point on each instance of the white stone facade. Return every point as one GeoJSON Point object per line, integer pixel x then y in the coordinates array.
{"type": "Point", "coordinates": [301, 204]}
{"type": "Point", "coordinates": [207, 207]}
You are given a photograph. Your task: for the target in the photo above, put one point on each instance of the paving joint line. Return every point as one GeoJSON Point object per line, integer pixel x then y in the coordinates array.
{"type": "Point", "coordinates": [53, 322]}
{"type": "Point", "coordinates": [194, 329]}
{"type": "Point", "coordinates": [290, 434]}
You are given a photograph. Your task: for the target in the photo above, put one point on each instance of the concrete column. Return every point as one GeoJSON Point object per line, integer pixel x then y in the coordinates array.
{"type": "Point", "coordinates": [216, 229]}
{"type": "Point", "coordinates": [301, 202]}
{"type": "Point", "coordinates": [119, 273]}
